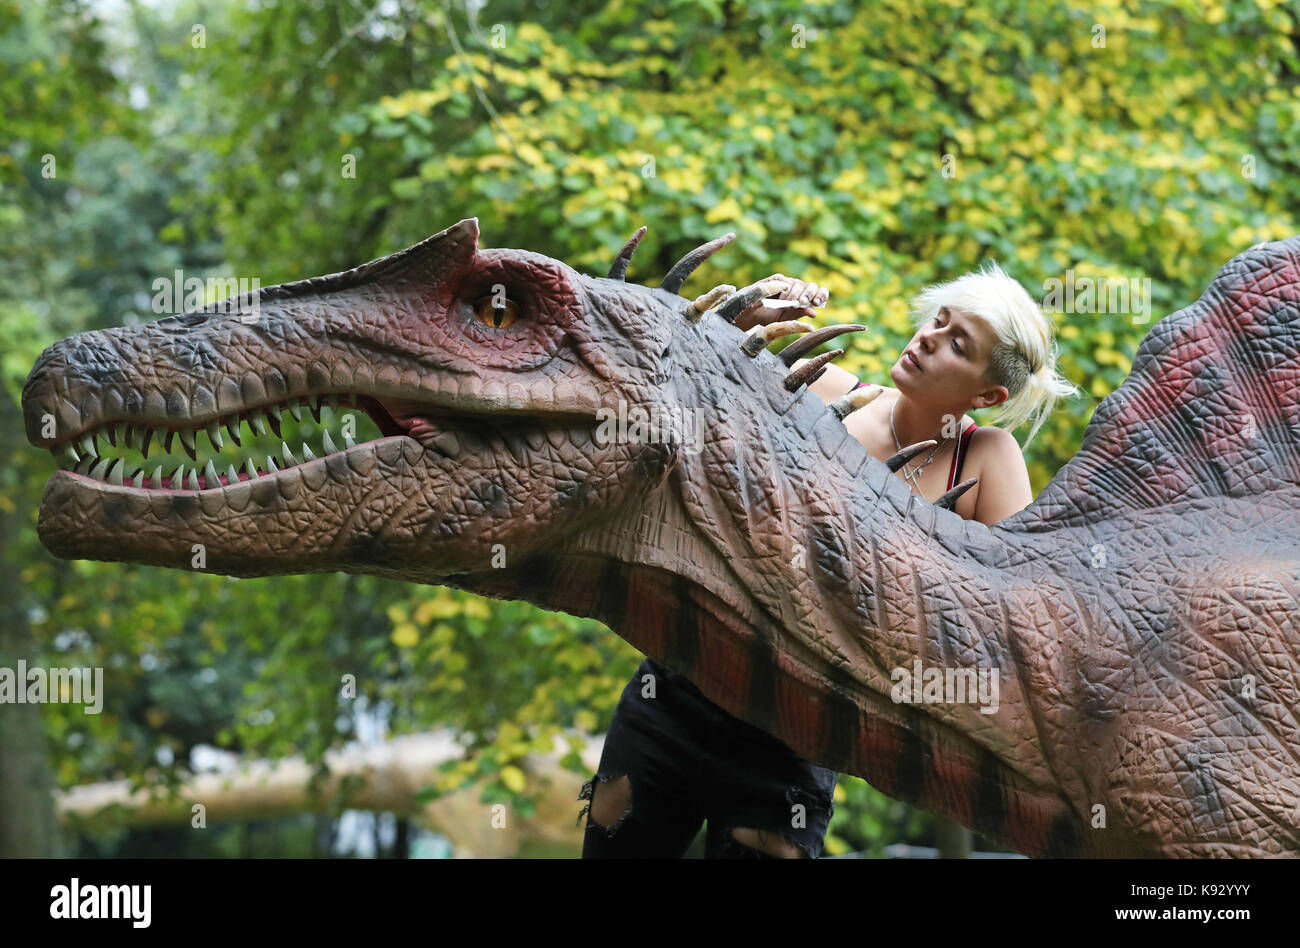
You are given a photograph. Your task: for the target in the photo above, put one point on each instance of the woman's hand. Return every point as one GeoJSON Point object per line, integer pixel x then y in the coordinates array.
{"type": "Point", "coordinates": [810, 294]}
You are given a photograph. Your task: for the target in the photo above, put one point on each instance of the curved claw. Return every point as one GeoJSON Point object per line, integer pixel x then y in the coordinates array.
{"type": "Point", "coordinates": [759, 337]}
{"type": "Point", "coordinates": [618, 269]}
{"type": "Point", "coordinates": [706, 301]}
{"type": "Point", "coordinates": [949, 500]}
{"type": "Point", "coordinates": [814, 339]}
{"type": "Point", "coordinates": [738, 302]}
{"type": "Point", "coordinates": [673, 280]}
{"type": "Point", "coordinates": [846, 405]}
{"type": "Point", "coordinates": [909, 452]}
{"type": "Point", "coordinates": [810, 371]}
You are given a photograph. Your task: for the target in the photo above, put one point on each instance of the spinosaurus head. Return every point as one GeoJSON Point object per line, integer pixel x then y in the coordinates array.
{"type": "Point", "coordinates": [484, 372]}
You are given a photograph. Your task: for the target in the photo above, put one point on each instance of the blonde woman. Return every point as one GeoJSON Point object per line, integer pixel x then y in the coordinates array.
{"type": "Point", "coordinates": [981, 342]}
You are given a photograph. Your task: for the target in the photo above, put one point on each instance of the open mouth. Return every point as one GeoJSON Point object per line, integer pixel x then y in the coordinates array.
{"type": "Point", "coordinates": [241, 446]}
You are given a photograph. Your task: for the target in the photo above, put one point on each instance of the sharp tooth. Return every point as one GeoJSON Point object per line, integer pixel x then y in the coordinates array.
{"type": "Point", "coordinates": [178, 478]}
{"type": "Point", "coordinates": [85, 464]}
{"type": "Point", "coordinates": [138, 479]}
{"type": "Point", "coordinates": [306, 453]}
{"type": "Point", "coordinates": [155, 479]}
{"type": "Point", "coordinates": [289, 459]}
{"type": "Point", "coordinates": [348, 442]}
{"type": "Point", "coordinates": [187, 441]}
{"type": "Point", "coordinates": [295, 409]}
{"type": "Point", "coordinates": [328, 442]}
{"type": "Point", "coordinates": [232, 476]}
{"type": "Point", "coordinates": [167, 441]}
{"type": "Point", "coordinates": [232, 427]}
{"type": "Point", "coordinates": [115, 471]}
{"type": "Point", "coordinates": [192, 482]}
{"type": "Point", "coordinates": [144, 444]}
{"type": "Point", "coordinates": [214, 435]}
{"type": "Point", "coordinates": [314, 406]}
{"type": "Point", "coordinates": [250, 468]}
{"type": "Point", "coordinates": [87, 443]}
{"type": "Point", "coordinates": [273, 419]}
{"type": "Point", "coordinates": [270, 465]}
{"type": "Point", "coordinates": [210, 478]}
{"type": "Point", "coordinates": [256, 422]}
{"type": "Point", "coordinates": [128, 437]}
{"type": "Point", "coordinates": [110, 434]}
{"type": "Point", "coordinates": [100, 469]}
{"type": "Point", "coordinates": [69, 455]}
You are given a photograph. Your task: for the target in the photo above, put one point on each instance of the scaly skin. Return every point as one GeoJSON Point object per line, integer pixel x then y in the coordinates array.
{"type": "Point", "coordinates": [1142, 612]}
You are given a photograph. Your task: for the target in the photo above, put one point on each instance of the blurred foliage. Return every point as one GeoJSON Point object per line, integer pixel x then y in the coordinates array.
{"type": "Point", "coordinates": [218, 138]}
{"type": "Point", "coordinates": [509, 677]}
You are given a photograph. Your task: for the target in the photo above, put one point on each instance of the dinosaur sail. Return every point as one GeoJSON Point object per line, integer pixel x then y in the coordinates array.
{"type": "Point", "coordinates": [1210, 409]}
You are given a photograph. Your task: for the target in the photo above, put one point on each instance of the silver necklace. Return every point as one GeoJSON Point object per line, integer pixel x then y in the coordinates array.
{"type": "Point", "coordinates": [912, 475]}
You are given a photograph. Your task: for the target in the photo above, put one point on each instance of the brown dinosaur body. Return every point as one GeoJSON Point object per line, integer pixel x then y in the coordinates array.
{"type": "Point", "coordinates": [1140, 617]}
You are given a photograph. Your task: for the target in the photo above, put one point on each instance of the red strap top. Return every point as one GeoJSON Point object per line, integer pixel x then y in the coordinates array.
{"type": "Point", "coordinates": [958, 456]}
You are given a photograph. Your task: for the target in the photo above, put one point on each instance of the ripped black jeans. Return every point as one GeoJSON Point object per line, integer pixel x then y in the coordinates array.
{"type": "Point", "coordinates": [689, 761]}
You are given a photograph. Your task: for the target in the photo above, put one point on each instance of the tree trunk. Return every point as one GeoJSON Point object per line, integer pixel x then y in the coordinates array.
{"type": "Point", "coordinates": [383, 778]}
{"type": "Point", "coordinates": [27, 824]}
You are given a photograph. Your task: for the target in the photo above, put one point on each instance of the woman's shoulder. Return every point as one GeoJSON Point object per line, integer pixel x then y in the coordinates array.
{"type": "Point", "coordinates": [990, 444]}
{"type": "Point", "coordinates": [993, 435]}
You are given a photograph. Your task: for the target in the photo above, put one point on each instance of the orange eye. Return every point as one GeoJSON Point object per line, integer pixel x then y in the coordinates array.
{"type": "Point", "coordinates": [489, 313]}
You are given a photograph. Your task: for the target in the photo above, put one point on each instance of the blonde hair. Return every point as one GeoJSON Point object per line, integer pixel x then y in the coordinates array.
{"type": "Point", "coordinates": [1024, 358]}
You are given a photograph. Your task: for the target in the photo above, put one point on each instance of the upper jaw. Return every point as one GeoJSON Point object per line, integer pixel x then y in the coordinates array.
{"type": "Point", "coordinates": [85, 391]}
{"type": "Point", "coordinates": [254, 442]}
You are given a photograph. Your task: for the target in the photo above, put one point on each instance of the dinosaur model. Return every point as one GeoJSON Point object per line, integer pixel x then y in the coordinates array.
{"type": "Point", "coordinates": [1140, 617]}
